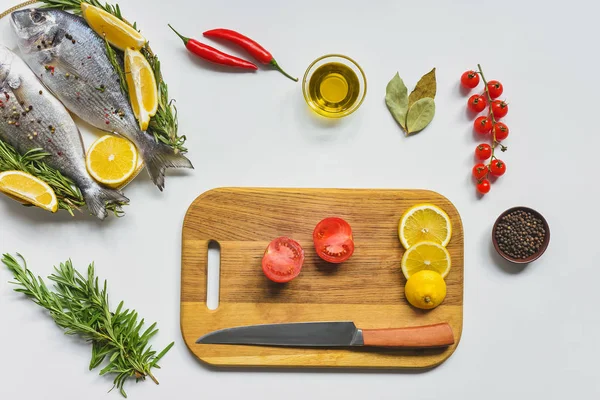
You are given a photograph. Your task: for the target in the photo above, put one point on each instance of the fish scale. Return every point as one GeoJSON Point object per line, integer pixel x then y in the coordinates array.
{"type": "Point", "coordinates": [32, 118]}
{"type": "Point", "coordinates": [71, 61]}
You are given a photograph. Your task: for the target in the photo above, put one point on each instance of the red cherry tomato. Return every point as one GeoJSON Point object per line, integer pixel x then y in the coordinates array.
{"type": "Point", "coordinates": [497, 167]}
{"type": "Point", "coordinates": [333, 240]}
{"type": "Point", "coordinates": [501, 131]}
{"type": "Point", "coordinates": [283, 259]}
{"type": "Point", "coordinates": [482, 125]}
{"type": "Point", "coordinates": [470, 79]}
{"type": "Point", "coordinates": [499, 109]}
{"type": "Point", "coordinates": [480, 171]}
{"type": "Point", "coordinates": [483, 151]}
{"type": "Point", "coordinates": [495, 89]}
{"type": "Point", "coordinates": [476, 103]}
{"type": "Point", "coordinates": [484, 186]}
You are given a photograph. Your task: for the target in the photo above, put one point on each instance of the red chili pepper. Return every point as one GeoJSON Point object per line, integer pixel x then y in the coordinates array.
{"type": "Point", "coordinates": [211, 54]}
{"type": "Point", "coordinates": [255, 49]}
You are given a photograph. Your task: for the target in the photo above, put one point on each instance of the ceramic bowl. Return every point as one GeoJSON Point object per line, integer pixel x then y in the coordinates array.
{"type": "Point", "coordinates": [532, 257]}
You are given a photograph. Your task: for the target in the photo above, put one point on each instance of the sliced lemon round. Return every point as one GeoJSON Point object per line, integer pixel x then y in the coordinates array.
{"type": "Point", "coordinates": [117, 32]}
{"type": "Point", "coordinates": [112, 160]}
{"type": "Point", "coordinates": [424, 222]}
{"type": "Point", "coordinates": [426, 256]}
{"type": "Point", "coordinates": [138, 169]}
{"type": "Point", "coordinates": [143, 93]}
{"type": "Point", "coordinates": [28, 189]}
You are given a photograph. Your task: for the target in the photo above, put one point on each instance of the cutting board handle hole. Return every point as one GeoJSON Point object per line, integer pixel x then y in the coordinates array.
{"type": "Point", "coordinates": [214, 274]}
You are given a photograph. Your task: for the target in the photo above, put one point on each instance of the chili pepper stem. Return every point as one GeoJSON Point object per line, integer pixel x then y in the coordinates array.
{"type": "Point", "coordinates": [185, 39]}
{"type": "Point", "coordinates": [274, 63]}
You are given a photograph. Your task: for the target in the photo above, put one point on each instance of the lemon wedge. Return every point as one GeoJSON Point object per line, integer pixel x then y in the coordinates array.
{"type": "Point", "coordinates": [426, 256]}
{"type": "Point", "coordinates": [424, 222]}
{"type": "Point", "coordinates": [28, 189]}
{"type": "Point", "coordinates": [143, 93]}
{"type": "Point", "coordinates": [117, 32]}
{"type": "Point", "coordinates": [112, 161]}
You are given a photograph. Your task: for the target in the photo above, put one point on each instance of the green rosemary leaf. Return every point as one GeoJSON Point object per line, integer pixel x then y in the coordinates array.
{"type": "Point", "coordinates": [116, 63]}
{"type": "Point", "coordinates": [80, 306]}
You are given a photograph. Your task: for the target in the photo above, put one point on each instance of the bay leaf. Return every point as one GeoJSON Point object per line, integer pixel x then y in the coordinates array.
{"type": "Point", "coordinates": [420, 115]}
{"type": "Point", "coordinates": [426, 87]}
{"type": "Point", "coordinates": [396, 99]}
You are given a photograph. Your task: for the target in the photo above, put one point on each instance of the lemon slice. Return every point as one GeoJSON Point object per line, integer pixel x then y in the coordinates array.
{"type": "Point", "coordinates": [143, 92]}
{"type": "Point", "coordinates": [424, 222]}
{"type": "Point", "coordinates": [138, 169]}
{"type": "Point", "coordinates": [27, 188]}
{"type": "Point", "coordinates": [118, 33]}
{"type": "Point", "coordinates": [112, 160]}
{"type": "Point", "coordinates": [426, 256]}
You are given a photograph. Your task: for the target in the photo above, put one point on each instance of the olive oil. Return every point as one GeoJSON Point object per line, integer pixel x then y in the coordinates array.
{"type": "Point", "coordinates": [333, 88]}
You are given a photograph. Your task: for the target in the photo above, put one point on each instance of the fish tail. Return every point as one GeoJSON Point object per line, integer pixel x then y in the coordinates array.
{"type": "Point", "coordinates": [158, 157]}
{"type": "Point", "coordinates": [98, 198]}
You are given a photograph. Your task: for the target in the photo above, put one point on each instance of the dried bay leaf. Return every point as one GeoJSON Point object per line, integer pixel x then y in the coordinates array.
{"type": "Point", "coordinates": [420, 115]}
{"type": "Point", "coordinates": [396, 99]}
{"type": "Point", "coordinates": [426, 87]}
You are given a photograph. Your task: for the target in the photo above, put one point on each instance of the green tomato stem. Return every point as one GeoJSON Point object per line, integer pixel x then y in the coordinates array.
{"type": "Point", "coordinates": [491, 114]}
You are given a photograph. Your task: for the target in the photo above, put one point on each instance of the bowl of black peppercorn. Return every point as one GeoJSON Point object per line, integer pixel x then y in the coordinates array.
{"type": "Point", "coordinates": [521, 235]}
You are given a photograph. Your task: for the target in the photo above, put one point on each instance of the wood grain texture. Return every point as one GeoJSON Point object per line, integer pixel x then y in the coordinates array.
{"type": "Point", "coordinates": [367, 289]}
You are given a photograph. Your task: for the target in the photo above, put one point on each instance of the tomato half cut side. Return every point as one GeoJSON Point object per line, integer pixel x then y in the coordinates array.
{"type": "Point", "coordinates": [333, 240]}
{"type": "Point", "coordinates": [283, 259]}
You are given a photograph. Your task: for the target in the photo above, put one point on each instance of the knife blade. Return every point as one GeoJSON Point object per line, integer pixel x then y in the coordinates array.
{"type": "Point", "coordinates": [332, 334]}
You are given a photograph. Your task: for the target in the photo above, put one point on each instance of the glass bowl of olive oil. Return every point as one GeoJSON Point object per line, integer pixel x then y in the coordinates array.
{"type": "Point", "coordinates": [334, 86]}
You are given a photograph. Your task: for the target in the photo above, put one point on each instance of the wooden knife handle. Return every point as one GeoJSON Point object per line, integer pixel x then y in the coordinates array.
{"type": "Point", "coordinates": [437, 335]}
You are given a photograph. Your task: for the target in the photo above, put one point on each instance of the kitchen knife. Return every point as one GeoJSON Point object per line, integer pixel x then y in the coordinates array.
{"type": "Point", "coordinates": [332, 334]}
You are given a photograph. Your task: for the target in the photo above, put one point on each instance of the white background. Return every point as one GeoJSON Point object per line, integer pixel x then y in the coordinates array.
{"type": "Point", "coordinates": [528, 333]}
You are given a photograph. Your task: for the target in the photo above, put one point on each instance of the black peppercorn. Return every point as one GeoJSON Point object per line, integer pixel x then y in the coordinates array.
{"type": "Point", "coordinates": [520, 234]}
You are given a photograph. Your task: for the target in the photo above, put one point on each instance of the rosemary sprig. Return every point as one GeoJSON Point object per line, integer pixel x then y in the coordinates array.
{"type": "Point", "coordinates": [80, 306]}
{"type": "Point", "coordinates": [68, 194]}
{"type": "Point", "coordinates": [163, 126]}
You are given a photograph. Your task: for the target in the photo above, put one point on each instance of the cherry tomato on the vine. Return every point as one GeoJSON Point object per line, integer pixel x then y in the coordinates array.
{"type": "Point", "coordinates": [469, 79]}
{"type": "Point", "coordinates": [480, 171]}
{"type": "Point", "coordinates": [484, 186]}
{"type": "Point", "coordinates": [477, 103]}
{"type": "Point", "coordinates": [500, 131]}
{"type": "Point", "coordinates": [499, 108]}
{"type": "Point", "coordinates": [333, 240]}
{"type": "Point", "coordinates": [282, 260]}
{"type": "Point", "coordinates": [495, 89]}
{"type": "Point", "coordinates": [497, 167]}
{"type": "Point", "coordinates": [482, 125]}
{"type": "Point", "coordinates": [483, 151]}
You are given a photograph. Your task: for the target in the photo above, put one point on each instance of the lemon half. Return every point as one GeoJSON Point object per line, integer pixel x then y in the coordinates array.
{"type": "Point", "coordinates": [425, 289]}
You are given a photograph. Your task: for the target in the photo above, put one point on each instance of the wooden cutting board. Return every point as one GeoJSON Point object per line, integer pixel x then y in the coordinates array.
{"type": "Point", "coordinates": [367, 289]}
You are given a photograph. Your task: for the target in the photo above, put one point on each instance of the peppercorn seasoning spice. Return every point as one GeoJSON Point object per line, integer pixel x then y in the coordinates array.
{"type": "Point", "coordinates": [520, 234]}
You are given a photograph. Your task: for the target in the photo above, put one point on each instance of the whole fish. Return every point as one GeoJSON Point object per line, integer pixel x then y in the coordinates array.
{"type": "Point", "coordinates": [32, 118]}
{"type": "Point", "coordinates": [71, 61]}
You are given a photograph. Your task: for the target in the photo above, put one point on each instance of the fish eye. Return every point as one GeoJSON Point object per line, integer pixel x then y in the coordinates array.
{"type": "Point", "coordinates": [37, 17]}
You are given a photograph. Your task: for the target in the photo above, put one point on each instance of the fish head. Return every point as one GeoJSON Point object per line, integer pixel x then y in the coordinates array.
{"type": "Point", "coordinates": [36, 28]}
{"type": "Point", "coordinates": [6, 57]}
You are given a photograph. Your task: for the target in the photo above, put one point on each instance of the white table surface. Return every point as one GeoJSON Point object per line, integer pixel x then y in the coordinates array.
{"type": "Point", "coordinates": [528, 333]}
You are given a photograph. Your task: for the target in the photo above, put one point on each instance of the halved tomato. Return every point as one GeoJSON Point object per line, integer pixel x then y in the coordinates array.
{"type": "Point", "coordinates": [333, 240]}
{"type": "Point", "coordinates": [283, 259]}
